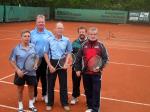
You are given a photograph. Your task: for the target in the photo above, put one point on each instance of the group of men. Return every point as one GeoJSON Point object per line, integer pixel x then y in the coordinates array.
{"type": "Point", "coordinates": [49, 48]}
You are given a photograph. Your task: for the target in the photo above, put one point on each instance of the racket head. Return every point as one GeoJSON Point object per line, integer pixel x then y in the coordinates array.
{"type": "Point", "coordinates": [39, 62]}
{"type": "Point", "coordinates": [73, 59]}
{"type": "Point", "coordinates": [62, 61]}
{"type": "Point", "coordinates": [30, 62]}
{"type": "Point", "coordinates": [94, 62]}
{"type": "Point", "coordinates": [70, 60]}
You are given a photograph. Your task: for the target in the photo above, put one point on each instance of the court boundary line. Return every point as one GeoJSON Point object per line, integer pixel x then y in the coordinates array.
{"type": "Point", "coordinates": [110, 62]}
{"type": "Point", "coordinates": [12, 108]}
{"type": "Point", "coordinates": [135, 48]}
{"type": "Point", "coordinates": [9, 38]}
{"type": "Point", "coordinates": [127, 46]}
{"type": "Point", "coordinates": [130, 49]}
{"type": "Point", "coordinates": [7, 76]}
{"type": "Point", "coordinates": [129, 64]}
{"type": "Point", "coordinates": [103, 98]}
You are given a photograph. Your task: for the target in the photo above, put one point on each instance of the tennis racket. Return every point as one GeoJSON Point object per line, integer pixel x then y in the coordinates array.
{"type": "Point", "coordinates": [29, 64]}
{"type": "Point", "coordinates": [94, 63]}
{"type": "Point", "coordinates": [65, 61]}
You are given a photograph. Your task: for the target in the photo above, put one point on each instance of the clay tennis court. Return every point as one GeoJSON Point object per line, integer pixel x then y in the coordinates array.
{"type": "Point", "coordinates": [125, 81]}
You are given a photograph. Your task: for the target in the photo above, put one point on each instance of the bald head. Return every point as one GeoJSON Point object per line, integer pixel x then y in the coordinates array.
{"type": "Point", "coordinates": [59, 29]}
{"type": "Point", "coordinates": [59, 25]}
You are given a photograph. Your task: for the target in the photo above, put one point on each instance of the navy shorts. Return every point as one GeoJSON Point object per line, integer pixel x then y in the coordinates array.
{"type": "Point", "coordinates": [26, 79]}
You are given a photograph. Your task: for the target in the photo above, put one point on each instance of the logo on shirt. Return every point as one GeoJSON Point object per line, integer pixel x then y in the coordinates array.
{"type": "Point", "coordinates": [86, 46]}
{"type": "Point", "coordinates": [96, 46]}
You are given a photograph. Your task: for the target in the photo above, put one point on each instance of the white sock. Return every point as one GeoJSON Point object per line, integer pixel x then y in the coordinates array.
{"type": "Point", "coordinates": [20, 104]}
{"type": "Point", "coordinates": [31, 104]}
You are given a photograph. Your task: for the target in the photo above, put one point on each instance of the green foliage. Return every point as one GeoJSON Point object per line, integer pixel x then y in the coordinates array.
{"type": "Point", "coordinates": [90, 4]}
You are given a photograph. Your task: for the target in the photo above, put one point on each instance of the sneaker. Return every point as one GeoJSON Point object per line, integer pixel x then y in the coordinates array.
{"type": "Point", "coordinates": [33, 109]}
{"type": "Point", "coordinates": [35, 99]}
{"type": "Point", "coordinates": [48, 108]}
{"type": "Point", "coordinates": [74, 100]}
{"type": "Point", "coordinates": [20, 110]}
{"type": "Point", "coordinates": [45, 98]}
{"type": "Point", "coordinates": [67, 108]}
{"type": "Point", "coordinates": [88, 110]}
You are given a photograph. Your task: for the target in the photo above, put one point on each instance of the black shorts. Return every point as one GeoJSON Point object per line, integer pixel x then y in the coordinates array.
{"type": "Point", "coordinates": [29, 80]}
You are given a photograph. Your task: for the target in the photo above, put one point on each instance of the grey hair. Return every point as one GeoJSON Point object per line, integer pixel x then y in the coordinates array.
{"type": "Point", "coordinates": [25, 31]}
{"type": "Point", "coordinates": [93, 29]}
{"type": "Point", "coordinates": [40, 16]}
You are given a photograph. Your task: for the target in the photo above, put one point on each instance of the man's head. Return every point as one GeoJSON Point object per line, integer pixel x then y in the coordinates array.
{"type": "Point", "coordinates": [40, 22]}
{"type": "Point", "coordinates": [93, 33]}
{"type": "Point", "coordinates": [59, 29]}
{"type": "Point", "coordinates": [25, 35]}
{"type": "Point", "coordinates": [82, 31]}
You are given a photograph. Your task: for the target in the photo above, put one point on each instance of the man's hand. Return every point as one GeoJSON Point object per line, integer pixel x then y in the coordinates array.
{"type": "Point", "coordinates": [78, 73]}
{"type": "Point", "coordinates": [20, 73]}
{"type": "Point", "coordinates": [52, 69]}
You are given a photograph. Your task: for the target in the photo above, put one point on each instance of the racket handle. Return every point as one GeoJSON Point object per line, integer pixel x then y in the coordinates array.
{"type": "Point", "coordinates": [25, 72]}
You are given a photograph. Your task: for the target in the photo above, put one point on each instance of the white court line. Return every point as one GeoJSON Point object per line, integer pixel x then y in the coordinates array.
{"type": "Point", "coordinates": [128, 40]}
{"type": "Point", "coordinates": [131, 49]}
{"type": "Point", "coordinates": [9, 39]}
{"type": "Point", "coordinates": [7, 77]}
{"type": "Point", "coordinates": [127, 46]}
{"type": "Point", "coordinates": [105, 43]}
{"type": "Point", "coordinates": [109, 46]}
{"type": "Point", "coordinates": [125, 101]}
{"type": "Point", "coordinates": [111, 62]}
{"type": "Point", "coordinates": [129, 64]}
{"type": "Point", "coordinates": [103, 98]}
{"type": "Point", "coordinates": [12, 108]}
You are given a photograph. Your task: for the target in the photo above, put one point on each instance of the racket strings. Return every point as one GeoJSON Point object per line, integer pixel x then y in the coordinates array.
{"type": "Point", "coordinates": [63, 59]}
{"type": "Point", "coordinates": [29, 63]}
{"type": "Point", "coordinates": [94, 62]}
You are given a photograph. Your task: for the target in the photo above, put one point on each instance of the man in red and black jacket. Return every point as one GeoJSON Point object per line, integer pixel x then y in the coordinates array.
{"type": "Point", "coordinates": [91, 79]}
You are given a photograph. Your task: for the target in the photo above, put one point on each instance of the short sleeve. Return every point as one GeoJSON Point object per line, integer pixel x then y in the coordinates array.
{"type": "Point", "coordinates": [12, 56]}
{"type": "Point", "coordinates": [69, 46]}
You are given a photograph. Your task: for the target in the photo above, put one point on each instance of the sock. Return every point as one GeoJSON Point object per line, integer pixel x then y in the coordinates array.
{"type": "Point", "coordinates": [31, 104]}
{"type": "Point", "coordinates": [20, 104]}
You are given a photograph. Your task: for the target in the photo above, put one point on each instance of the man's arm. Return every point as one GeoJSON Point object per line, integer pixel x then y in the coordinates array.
{"type": "Point", "coordinates": [105, 57]}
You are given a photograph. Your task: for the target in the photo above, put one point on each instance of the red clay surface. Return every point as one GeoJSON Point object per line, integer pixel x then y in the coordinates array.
{"type": "Point", "coordinates": [125, 82]}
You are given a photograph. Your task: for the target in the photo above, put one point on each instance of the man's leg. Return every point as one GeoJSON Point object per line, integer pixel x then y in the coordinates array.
{"type": "Point", "coordinates": [96, 80]}
{"type": "Point", "coordinates": [87, 82]}
{"type": "Point", "coordinates": [43, 77]}
{"type": "Point", "coordinates": [76, 84]}
{"type": "Point", "coordinates": [62, 74]}
{"type": "Point", "coordinates": [20, 96]}
{"type": "Point", "coordinates": [50, 89]}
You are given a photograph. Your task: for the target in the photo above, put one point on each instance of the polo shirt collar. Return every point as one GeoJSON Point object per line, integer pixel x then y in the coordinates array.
{"type": "Point", "coordinates": [61, 39]}
{"type": "Point", "coordinates": [21, 47]}
{"type": "Point", "coordinates": [44, 31]}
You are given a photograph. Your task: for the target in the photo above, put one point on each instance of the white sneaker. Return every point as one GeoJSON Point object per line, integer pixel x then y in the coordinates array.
{"type": "Point", "coordinates": [88, 110]}
{"type": "Point", "coordinates": [74, 100]}
{"type": "Point", "coordinates": [66, 108]}
{"type": "Point", "coordinates": [48, 108]}
{"type": "Point", "coordinates": [35, 99]}
{"type": "Point", "coordinates": [45, 98]}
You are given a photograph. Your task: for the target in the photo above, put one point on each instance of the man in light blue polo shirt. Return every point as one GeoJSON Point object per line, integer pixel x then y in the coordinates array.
{"type": "Point", "coordinates": [57, 46]}
{"type": "Point", "coordinates": [39, 37]}
{"type": "Point", "coordinates": [17, 60]}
